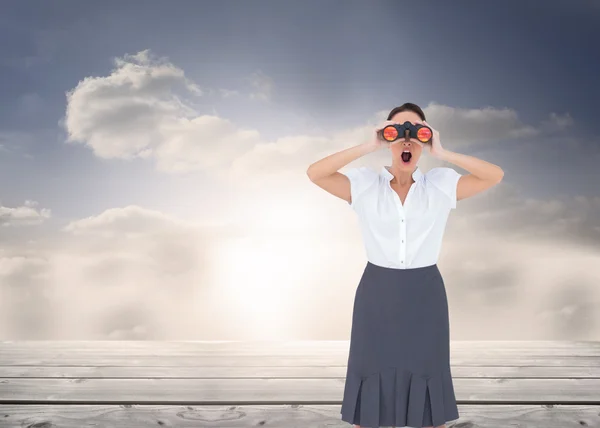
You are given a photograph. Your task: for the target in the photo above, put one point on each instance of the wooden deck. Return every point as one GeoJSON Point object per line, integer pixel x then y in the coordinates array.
{"type": "Point", "coordinates": [277, 384]}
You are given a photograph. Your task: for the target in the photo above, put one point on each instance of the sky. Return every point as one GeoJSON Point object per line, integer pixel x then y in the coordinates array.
{"type": "Point", "coordinates": [153, 162]}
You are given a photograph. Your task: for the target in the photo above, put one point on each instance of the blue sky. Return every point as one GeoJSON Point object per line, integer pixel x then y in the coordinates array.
{"type": "Point", "coordinates": [280, 84]}
{"type": "Point", "coordinates": [323, 54]}
{"type": "Point", "coordinates": [334, 62]}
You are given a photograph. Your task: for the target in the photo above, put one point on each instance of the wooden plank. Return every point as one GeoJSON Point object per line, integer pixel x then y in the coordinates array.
{"type": "Point", "coordinates": [143, 416]}
{"type": "Point", "coordinates": [285, 345]}
{"type": "Point", "coordinates": [293, 344]}
{"type": "Point", "coordinates": [276, 372]}
{"type": "Point", "coordinates": [73, 359]}
{"type": "Point", "coordinates": [277, 391]}
{"type": "Point", "coordinates": [485, 348]}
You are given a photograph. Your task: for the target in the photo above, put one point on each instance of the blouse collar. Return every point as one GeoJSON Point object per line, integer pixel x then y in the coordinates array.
{"type": "Point", "coordinates": [416, 175]}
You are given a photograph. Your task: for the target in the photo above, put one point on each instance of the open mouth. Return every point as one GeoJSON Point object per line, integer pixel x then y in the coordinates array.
{"type": "Point", "coordinates": [406, 156]}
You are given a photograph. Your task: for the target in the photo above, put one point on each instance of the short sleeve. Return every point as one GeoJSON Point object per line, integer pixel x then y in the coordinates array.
{"type": "Point", "coordinates": [361, 178]}
{"type": "Point", "coordinates": [445, 179]}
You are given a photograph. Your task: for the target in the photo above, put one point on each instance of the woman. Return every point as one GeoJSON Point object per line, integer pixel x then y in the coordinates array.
{"type": "Point", "coordinates": [398, 371]}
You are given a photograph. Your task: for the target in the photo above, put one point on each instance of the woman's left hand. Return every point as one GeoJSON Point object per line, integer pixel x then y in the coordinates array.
{"type": "Point", "coordinates": [434, 147]}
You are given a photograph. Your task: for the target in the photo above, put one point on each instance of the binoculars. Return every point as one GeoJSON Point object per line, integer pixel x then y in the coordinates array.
{"type": "Point", "coordinates": [407, 130]}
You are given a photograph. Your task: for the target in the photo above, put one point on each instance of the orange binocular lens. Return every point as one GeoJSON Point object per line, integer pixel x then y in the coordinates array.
{"type": "Point", "coordinates": [424, 134]}
{"type": "Point", "coordinates": [390, 133]}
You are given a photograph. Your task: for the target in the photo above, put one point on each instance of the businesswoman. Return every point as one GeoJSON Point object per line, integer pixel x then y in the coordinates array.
{"type": "Point", "coordinates": [398, 371]}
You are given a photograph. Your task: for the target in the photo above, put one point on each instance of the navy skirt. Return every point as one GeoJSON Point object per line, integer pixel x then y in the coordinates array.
{"type": "Point", "coordinates": [398, 371]}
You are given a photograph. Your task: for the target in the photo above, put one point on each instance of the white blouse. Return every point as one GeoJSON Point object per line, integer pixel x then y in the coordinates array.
{"type": "Point", "coordinates": [397, 236]}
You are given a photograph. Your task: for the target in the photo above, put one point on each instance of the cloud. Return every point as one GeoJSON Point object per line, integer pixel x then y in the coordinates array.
{"type": "Point", "coordinates": [564, 219]}
{"type": "Point", "coordinates": [289, 156]}
{"type": "Point", "coordinates": [140, 111]}
{"type": "Point", "coordinates": [125, 273]}
{"type": "Point", "coordinates": [462, 126]}
{"type": "Point", "coordinates": [557, 122]}
{"type": "Point", "coordinates": [523, 266]}
{"type": "Point", "coordinates": [136, 112]}
{"type": "Point", "coordinates": [518, 266]}
{"type": "Point", "coordinates": [520, 288]}
{"type": "Point", "coordinates": [23, 215]}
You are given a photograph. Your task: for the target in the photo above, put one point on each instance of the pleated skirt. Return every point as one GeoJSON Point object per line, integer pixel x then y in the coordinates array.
{"type": "Point", "coordinates": [398, 372]}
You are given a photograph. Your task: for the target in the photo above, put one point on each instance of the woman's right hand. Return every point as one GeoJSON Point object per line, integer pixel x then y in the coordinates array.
{"type": "Point", "coordinates": [377, 140]}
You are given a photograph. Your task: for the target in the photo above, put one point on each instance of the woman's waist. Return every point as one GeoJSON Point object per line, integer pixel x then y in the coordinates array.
{"type": "Point", "coordinates": [402, 270]}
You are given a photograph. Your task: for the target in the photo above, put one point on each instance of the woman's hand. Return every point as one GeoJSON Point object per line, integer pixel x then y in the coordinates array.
{"type": "Point", "coordinates": [376, 139]}
{"type": "Point", "coordinates": [434, 147]}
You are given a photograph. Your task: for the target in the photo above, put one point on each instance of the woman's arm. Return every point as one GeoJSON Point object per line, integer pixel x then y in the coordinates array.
{"type": "Point", "coordinates": [324, 173]}
{"type": "Point", "coordinates": [483, 175]}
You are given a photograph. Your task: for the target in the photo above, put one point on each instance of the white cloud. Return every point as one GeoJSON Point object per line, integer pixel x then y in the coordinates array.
{"type": "Point", "coordinates": [136, 112]}
{"type": "Point", "coordinates": [126, 273]}
{"type": "Point", "coordinates": [23, 215]}
{"type": "Point", "coordinates": [134, 273]}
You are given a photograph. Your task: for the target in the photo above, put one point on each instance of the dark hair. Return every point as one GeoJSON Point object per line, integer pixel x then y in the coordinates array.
{"type": "Point", "coordinates": [407, 106]}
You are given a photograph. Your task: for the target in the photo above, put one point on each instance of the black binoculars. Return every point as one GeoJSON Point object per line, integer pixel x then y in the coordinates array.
{"type": "Point", "coordinates": [407, 130]}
